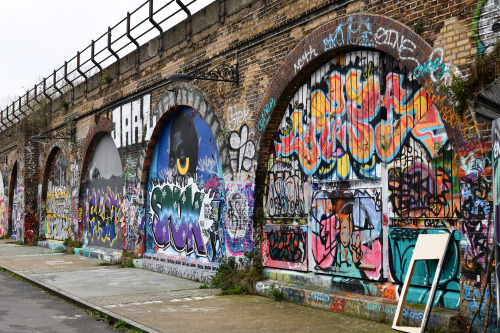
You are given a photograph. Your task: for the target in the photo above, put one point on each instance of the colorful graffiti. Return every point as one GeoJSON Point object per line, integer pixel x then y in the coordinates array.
{"type": "Point", "coordinates": [285, 247]}
{"type": "Point", "coordinates": [58, 213]}
{"type": "Point", "coordinates": [496, 202]}
{"type": "Point", "coordinates": [56, 223]}
{"type": "Point", "coordinates": [401, 244]}
{"type": "Point", "coordinates": [421, 189]}
{"type": "Point", "coordinates": [3, 208]}
{"type": "Point", "coordinates": [472, 299]}
{"type": "Point", "coordinates": [103, 215]}
{"type": "Point", "coordinates": [186, 201]}
{"type": "Point", "coordinates": [345, 232]}
{"type": "Point", "coordinates": [345, 135]}
{"type": "Point", "coordinates": [104, 218]}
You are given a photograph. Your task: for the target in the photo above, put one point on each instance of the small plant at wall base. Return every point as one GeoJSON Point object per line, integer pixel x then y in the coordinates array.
{"type": "Point", "coordinates": [71, 245]}
{"type": "Point", "coordinates": [238, 280]}
{"type": "Point", "coordinates": [105, 78]}
{"type": "Point", "coordinates": [126, 260]}
{"type": "Point", "coordinates": [7, 235]}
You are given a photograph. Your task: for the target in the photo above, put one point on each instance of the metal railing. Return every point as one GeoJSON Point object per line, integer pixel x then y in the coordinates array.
{"type": "Point", "coordinates": [93, 58]}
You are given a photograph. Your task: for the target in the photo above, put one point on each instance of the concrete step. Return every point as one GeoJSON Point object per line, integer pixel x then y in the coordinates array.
{"type": "Point", "coordinates": [360, 306]}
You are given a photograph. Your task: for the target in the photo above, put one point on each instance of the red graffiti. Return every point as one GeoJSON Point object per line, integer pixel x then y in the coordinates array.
{"type": "Point", "coordinates": [337, 304]}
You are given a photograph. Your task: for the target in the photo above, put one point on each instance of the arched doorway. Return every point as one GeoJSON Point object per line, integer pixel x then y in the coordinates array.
{"type": "Point", "coordinates": [353, 176]}
{"type": "Point", "coordinates": [56, 193]}
{"type": "Point", "coordinates": [186, 196]}
{"type": "Point", "coordinates": [16, 198]}
{"type": "Point", "coordinates": [102, 196]}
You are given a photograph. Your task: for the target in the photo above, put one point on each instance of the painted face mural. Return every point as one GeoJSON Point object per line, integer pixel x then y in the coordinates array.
{"type": "Point", "coordinates": [102, 213]}
{"type": "Point", "coordinates": [325, 168]}
{"type": "Point", "coordinates": [186, 201]}
{"type": "Point", "coordinates": [487, 19]}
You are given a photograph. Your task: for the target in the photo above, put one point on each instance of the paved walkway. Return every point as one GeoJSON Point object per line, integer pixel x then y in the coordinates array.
{"type": "Point", "coordinates": [157, 302]}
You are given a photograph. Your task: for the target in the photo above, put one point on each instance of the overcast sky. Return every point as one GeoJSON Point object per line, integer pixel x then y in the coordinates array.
{"type": "Point", "coordinates": [36, 36]}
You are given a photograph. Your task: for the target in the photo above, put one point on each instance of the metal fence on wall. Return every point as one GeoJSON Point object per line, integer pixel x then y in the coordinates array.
{"type": "Point", "coordinates": [150, 19]}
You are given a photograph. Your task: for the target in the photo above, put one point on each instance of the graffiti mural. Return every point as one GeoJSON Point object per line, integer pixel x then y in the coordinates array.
{"type": "Point", "coordinates": [341, 136]}
{"type": "Point", "coordinates": [496, 201]}
{"type": "Point", "coordinates": [4, 204]}
{"type": "Point", "coordinates": [487, 25]}
{"type": "Point", "coordinates": [102, 214]}
{"type": "Point", "coordinates": [422, 189]}
{"type": "Point", "coordinates": [402, 242]}
{"type": "Point", "coordinates": [186, 200]}
{"type": "Point", "coordinates": [356, 113]}
{"type": "Point", "coordinates": [345, 233]}
{"type": "Point", "coordinates": [18, 212]}
{"type": "Point", "coordinates": [285, 247]}
{"type": "Point", "coordinates": [239, 232]}
{"type": "Point", "coordinates": [57, 222]}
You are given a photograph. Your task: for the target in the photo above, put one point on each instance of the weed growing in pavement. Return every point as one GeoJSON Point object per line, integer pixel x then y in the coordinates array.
{"type": "Point", "coordinates": [105, 263]}
{"type": "Point", "coordinates": [277, 293]}
{"type": "Point", "coordinates": [204, 286]}
{"type": "Point", "coordinates": [121, 324]}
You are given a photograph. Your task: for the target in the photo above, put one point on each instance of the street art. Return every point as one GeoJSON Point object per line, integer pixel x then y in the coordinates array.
{"type": "Point", "coordinates": [239, 232]}
{"type": "Point", "coordinates": [345, 233]}
{"type": "Point", "coordinates": [361, 33]}
{"type": "Point", "coordinates": [486, 22]}
{"type": "Point", "coordinates": [304, 59]}
{"type": "Point", "coordinates": [472, 297]}
{"type": "Point", "coordinates": [285, 247]}
{"type": "Point", "coordinates": [243, 147]}
{"type": "Point", "coordinates": [345, 137]}
{"type": "Point", "coordinates": [286, 193]}
{"type": "Point", "coordinates": [325, 165]}
{"type": "Point", "coordinates": [237, 117]}
{"type": "Point", "coordinates": [496, 202]}
{"type": "Point", "coordinates": [401, 244]}
{"type": "Point", "coordinates": [186, 203]}
{"type": "Point", "coordinates": [3, 208]}
{"type": "Point", "coordinates": [477, 206]}
{"type": "Point", "coordinates": [58, 210]}
{"type": "Point", "coordinates": [103, 215]}
{"type": "Point", "coordinates": [58, 213]}
{"type": "Point", "coordinates": [31, 226]}
{"type": "Point", "coordinates": [420, 189]}
{"type": "Point", "coordinates": [18, 213]}
{"type": "Point", "coordinates": [131, 122]}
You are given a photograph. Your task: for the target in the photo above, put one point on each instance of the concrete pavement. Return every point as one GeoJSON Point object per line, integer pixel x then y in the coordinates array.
{"type": "Point", "coordinates": [156, 302]}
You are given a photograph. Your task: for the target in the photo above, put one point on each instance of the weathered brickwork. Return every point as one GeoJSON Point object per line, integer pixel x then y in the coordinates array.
{"type": "Point", "coordinates": [339, 107]}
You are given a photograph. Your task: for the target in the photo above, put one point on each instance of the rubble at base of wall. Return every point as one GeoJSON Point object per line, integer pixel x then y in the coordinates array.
{"type": "Point", "coordinates": [110, 255]}
{"type": "Point", "coordinates": [53, 245]}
